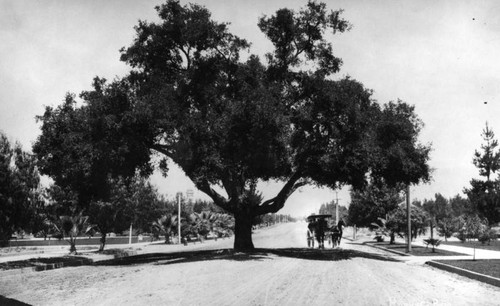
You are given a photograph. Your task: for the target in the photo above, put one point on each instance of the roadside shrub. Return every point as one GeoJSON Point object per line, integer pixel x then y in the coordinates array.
{"type": "Point", "coordinates": [379, 238]}
{"type": "Point", "coordinates": [434, 242]}
{"type": "Point", "coordinates": [470, 226]}
{"type": "Point", "coordinates": [487, 236]}
{"type": "Point", "coordinates": [461, 235]}
{"type": "Point", "coordinates": [446, 227]}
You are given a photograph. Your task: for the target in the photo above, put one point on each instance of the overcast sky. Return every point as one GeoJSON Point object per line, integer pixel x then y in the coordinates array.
{"type": "Point", "coordinates": [441, 56]}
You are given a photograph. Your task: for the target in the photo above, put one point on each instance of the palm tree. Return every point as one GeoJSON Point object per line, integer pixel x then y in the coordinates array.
{"type": "Point", "coordinates": [223, 225]}
{"type": "Point", "coordinates": [73, 226]}
{"type": "Point", "coordinates": [165, 226]}
{"type": "Point", "coordinates": [203, 223]}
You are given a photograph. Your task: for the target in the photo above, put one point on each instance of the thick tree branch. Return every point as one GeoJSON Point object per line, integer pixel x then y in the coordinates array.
{"type": "Point", "coordinates": [162, 149]}
{"type": "Point", "coordinates": [230, 187]}
{"type": "Point", "coordinates": [218, 199]}
{"type": "Point", "coordinates": [202, 185]}
{"type": "Point", "coordinates": [275, 204]}
{"type": "Point", "coordinates": [186, 54]}
{"type": "Point", "coordinates": [234, 185]}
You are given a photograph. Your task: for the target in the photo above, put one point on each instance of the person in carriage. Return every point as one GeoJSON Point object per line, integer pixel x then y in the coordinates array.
{"type": "Point", "coordinates": [310, 234]}
{"type": "Point", "coordinates": [317, 229]}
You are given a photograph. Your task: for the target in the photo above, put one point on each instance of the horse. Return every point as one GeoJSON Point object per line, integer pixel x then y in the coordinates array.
{"type": "Point", "coordinates": [320, 230]}
{"type": "Point", "coordinates": [335, 236]}
{"type": "Point", "coordinates": [336, 233]}
{"type": "Point", "coordinates": [310, 234]}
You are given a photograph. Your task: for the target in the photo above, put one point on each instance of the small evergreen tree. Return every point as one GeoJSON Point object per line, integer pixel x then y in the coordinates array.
{"type": "Point", "coordinates": [487, 162]}
{"type": "Point", "coordinates": [485, 195]}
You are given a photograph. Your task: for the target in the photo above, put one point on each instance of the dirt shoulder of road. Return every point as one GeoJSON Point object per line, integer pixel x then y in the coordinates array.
{"type": "Point", "coordinates": [281, 271]}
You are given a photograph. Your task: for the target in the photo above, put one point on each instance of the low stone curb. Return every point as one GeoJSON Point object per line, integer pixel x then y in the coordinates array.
{"type": "Point", "coordinates": [467, 273]}
{"type": "Point", "coordinates": [388, 250]}
{"type": "Point", "coordinates": [81, 262]}
{"type": "Point", "coordinates": [470, 274]}
{"type": "Point", "coordinates": [75, 263]}
{"type": "Point", "coordinates": [125, 253]}
{"type": "Point", "coordinates": [44, 267]}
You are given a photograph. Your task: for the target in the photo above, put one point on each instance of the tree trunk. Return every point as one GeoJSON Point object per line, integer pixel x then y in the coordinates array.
{"type": "Point", "coordinates": [72, 245]}
{"type": "Point", "coordinates": [243, 232]}
{"type": "Point", "coordinates": [393, 238]}
{"type": "Point", "coordinates": [103, 242]}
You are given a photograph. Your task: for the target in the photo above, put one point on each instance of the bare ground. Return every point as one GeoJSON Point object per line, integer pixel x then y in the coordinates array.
{"type": "Point", "coordinates": [281, 272]}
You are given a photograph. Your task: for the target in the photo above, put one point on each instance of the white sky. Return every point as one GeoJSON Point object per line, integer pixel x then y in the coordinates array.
{"type": "Point", "coordinates": [441, 56]}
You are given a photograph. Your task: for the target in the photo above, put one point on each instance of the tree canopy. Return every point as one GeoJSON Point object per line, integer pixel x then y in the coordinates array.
{"type": "Point", "coordinates": [19, 188]}
{"type": "Point", "coordinates": [484, 195]}
{"type": "Point", "coordinates": [81, 146]}
{"type": "Point", "coordinates": [373, 202]}
{"type": "Point", "coordinates": [231, 121]}
{"type": "Point", "coordinates": [487, 162]}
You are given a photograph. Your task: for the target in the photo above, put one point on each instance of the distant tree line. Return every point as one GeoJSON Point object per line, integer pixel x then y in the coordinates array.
{"type": "Point", "coordinates": [381, 207]}
{"type": "Point", "coordinates": [330, 209]}
{"type": "Point", "coordinates": [20, 195]}
{"type": "Point", "coordinates": [28, 208]}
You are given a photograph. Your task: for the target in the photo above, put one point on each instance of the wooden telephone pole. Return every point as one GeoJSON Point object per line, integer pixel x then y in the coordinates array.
{"type": "Point", "coordinates": [408, 217]}
{"type": "Point", "coordinates": [336, 208]}
{"type": "Point", "coordinates": [179, 196]}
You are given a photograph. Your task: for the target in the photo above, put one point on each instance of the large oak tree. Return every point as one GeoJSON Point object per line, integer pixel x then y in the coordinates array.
{"type": "Point", "coordinates": [231, 121]}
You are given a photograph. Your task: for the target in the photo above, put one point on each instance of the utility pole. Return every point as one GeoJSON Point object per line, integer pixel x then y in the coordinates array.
{"type": "Point", "coordinates": [337, 208]}
{"type": "Point", "coordinates": [130, 235]}
{"type": "Point", "coordinates": [408, 217]}
{"type": "Point", "coordinates": [179, 195]}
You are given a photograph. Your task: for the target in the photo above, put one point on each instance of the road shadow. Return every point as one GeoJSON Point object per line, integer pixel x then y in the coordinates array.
{"type": "Point", "coordinates": [4, 301]}
{"type": "Point", "coordinates": [335, 254]}
{"type": "Point", "coordinates": [259, 254]}
{"type": "Point", "coordinates": [182, 257]}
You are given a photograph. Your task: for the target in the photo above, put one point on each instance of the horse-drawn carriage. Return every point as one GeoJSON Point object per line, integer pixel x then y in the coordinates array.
{"type": "Point", "coordinates": [321, 228]}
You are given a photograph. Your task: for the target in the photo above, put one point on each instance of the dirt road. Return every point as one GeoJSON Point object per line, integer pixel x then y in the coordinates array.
{"type": "Point", "coordinates": [291, 275]}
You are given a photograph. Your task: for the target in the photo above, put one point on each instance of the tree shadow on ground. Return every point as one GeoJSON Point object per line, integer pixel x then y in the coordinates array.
{"type": "Point", "coordinates": [11, 302]}
{"type": "Point", "coordinates": [327, 254]}
{"type": "Point", "coordinates": [181, 257]}
{"type": "Point", "coordinates": [336, 254]}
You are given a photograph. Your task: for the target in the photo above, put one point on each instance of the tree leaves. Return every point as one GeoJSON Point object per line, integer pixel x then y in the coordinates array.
{"type": "Point", "coordinates": [485, 195]}
{"type": "Point", "coordinates": [489, 161]}
{"type": "Point", "coordinates": [228, 122]}
{"type": "Point", "coordinates": [232, 122]}
{"type": "Point", "coordinates": [299, 37]}
{"type": "Point", "coordinates": [20, 192]}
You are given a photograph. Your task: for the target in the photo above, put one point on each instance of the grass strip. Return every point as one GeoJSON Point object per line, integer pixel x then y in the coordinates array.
{"type": "Point", "coordinates": [492, 246]}
{"type": "Point", "coordinates": [490, 267]}
{"type": "Point", "coordinates": [415, 250]}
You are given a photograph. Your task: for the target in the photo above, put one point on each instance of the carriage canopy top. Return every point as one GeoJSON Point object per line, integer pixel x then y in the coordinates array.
{"type": "Point", "coordinates": [316, 217]}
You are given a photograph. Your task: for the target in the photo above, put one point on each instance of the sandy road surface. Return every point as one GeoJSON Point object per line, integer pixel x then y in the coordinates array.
{"type": "Point", "coordinates": [352, 275]}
